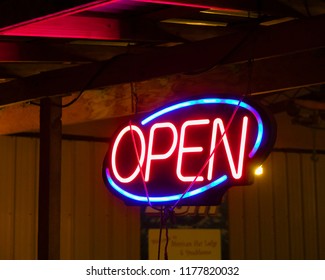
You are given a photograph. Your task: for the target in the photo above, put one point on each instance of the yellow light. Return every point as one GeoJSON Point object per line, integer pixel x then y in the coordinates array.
{"type": "Point", "coordinates": [234, 13]}
{"type": "Point", "coordinates": [259, 170]}
{"type": "Point", "coordinates": [195, 22]}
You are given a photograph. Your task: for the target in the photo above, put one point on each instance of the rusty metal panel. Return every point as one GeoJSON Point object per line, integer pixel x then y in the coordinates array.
{"type": "Point", "coordinates": [7, 197]}
{"type": "Point", "coordinates": [83, 204]}
{"type": "Point", "coordinates": [320, 196]}
{"type": "Point", "coordinates": [290, 218]}
{"type": "Point", "coordinates": [236, 223]}
{"type": "Point", "coordinates": [251, 229]}
{"type": "Point", "coordinates": [294, 184]}
{"type": "Point", "coordinates": [94, 224]}
{"type": "Point", "coordinates": [67, 200]}
{"type": "Point", "coordinates": [18, 195]}
{"type": "Point", "coordinates": [26, 198]}
{"type": "Point", "coordinates": [102, 211]}
{"type": "Point", "coordinates": [309, 208]}
{"type": "Point", "coordinates": [281, 216]}
{"type": "Point", "coordinates": [280, 204]}
{"type": "Point", "coordinates": [266, 211]}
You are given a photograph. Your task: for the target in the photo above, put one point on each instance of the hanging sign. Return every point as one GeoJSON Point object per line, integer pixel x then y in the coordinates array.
{"type": "Point", "coordinates": [209, 144]}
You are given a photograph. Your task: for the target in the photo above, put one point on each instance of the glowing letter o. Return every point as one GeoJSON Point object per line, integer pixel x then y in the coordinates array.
{"type": "Point", "coordinates": [115, 146]}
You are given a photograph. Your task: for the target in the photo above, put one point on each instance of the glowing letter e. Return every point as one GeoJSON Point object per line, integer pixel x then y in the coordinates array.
{"type": "Point", "coordinates": [115, 147]}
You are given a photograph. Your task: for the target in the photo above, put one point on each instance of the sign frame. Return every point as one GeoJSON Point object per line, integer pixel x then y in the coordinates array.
{"type": "Point", "coordinates": [209, 194]}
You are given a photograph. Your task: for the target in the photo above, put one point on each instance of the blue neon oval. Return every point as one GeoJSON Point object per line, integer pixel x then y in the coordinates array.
{"type": "Point", "coordinates": [160, 199]}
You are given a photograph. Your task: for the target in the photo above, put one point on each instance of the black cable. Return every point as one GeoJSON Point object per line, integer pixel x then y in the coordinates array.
{"type": "Point", "coordinates": [166, 245]}
{"type": "Point", "coordinates": [90, 81]}
{"type": "Point", "coordinates": [80, 93]}
{"type": "Point", "coordinates": [34, 103]}
{"type": "Point", "coordinates": [135, 99]}
{"type": "Point", "coordinates": [166, 214]}
{"type": "Point", "coordinates": [306, 4]}
{"type": "Point", "coordinates": [250, 63]}
{"type": "Point", "coordinates": [72, 101]}
{"type": "Point", "coordinates": [228, 54]}
{"type": "Point", "coordinates": [160, 231]}
{"type": "Point", "coordinates": [101, 67]}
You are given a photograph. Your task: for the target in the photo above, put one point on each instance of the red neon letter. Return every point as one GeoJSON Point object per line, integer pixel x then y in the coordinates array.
{"type": "Point", "coordinates": [113, 159]}
{"type": "Point", "coordinates": [183, 150]}
{"type": "Point", "coordinates": [150, 156]}
{"type": "Point", "coordinates": [236, 174]}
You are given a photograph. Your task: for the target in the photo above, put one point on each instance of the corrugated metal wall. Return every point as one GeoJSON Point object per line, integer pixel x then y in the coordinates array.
{"type": "Point", "coordinates": [95, 225]}
{"type": "Point", "coordinates": [18, 193]}
{"type": "Point", "coordinates": [281, 216]}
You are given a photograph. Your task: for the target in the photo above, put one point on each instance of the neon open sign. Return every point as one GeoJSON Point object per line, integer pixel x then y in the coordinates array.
{"type": "Point", "coordinates": [215, 142]}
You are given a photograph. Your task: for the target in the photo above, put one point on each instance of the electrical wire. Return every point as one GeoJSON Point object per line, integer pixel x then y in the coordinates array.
{"type": "Point", "coordinates": [160, 232]}
{"type": "Point", "coordinates": [139, 165]}
{"type": "Point", "coordinates": [166, 215]}
{"type": "Point", "coordinates": [166, 212]}
{"type": "Point", "coordinates": [134, 98]}
{"type": "Point", "coordinates": [228, 54]}
{"type": "Point", "coordinates": [250, 63]}
{"type": "Point", "coordinates": [100, 69]}
{"type": "Point", "coordinates": [167, 240]}
{"type": "Point", "coordinates": [306, 4]}
{"type": "Point", "coordinates": [212, 153]}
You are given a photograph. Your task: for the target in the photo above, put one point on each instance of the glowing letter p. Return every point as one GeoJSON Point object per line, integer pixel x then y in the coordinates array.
{"type": "Point", "coordinates": [151, 156]}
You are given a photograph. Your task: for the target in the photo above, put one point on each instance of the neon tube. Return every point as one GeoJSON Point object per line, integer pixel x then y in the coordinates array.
{"type": "Point", "coordinates": [158, 199]}
{"type": "Point", "coordinates": [114, 151]}
{"type": "Point", "coordinates": [236, 174]}
{"type": "Point", "coordinates": [229, 101]}
{"type": "Point", "coordinates": [151, 156]}
{"type": "Point", "coordinates": [183, 150]}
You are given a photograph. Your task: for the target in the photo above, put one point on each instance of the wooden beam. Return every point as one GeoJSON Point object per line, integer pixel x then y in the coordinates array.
{"type": "Point", "coordinates": [77, 51]}
{"type": "Point", "coordinates": [259, 77]}
{"type": "Point", "coordinates": [115, 101]}
{"type": "Point", "coordinates": [69, 27]}
{"type": "Point", "coordinates": [273, 7]}
{"type": "Point", "coordinates": [91, 28]}
{"type": "Point", "coordinates": [27, 52]}
{"type": "Point", "coordinates": [262, 44]}
{"type": "Point", "coordinates": [207, 4]}
{"type": "Point", "coordinates": [49, 179]}
{"type": "Point", "coordinates": [63, 20]}
{"type": "Point", "coordinates": [20, 12]}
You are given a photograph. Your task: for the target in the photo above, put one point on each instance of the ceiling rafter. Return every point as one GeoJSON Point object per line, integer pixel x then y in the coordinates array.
{"type": "Point", "coordinates": [195, 56]}
{"type": "Point", "coordinates": [266, 6]}
{"type": "Point", "coordinates": [92, 28]}
{"type": "Point", "coordinates": [20, 12]}
{"type": "Point", "coordinates": [31, 51]}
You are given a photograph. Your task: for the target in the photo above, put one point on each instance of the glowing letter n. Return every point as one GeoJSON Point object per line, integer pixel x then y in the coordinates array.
{"type": "Point", "coordinates": [235, 173]}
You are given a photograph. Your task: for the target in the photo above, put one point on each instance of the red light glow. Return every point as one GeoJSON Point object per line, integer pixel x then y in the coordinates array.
{"type": "Point", "coordinates": [69, 27]}
{"type": "Point", "coordinates": [187, 4]}
{"type": "Point", "coordinates": [189, 153]}
{"type": "Point", "coordinates": [114, 152]}
{"type": "Point", "coordinates": [219, 123]}
{"type": "Point", "coordinates": [182, 149]}
{"type": "Point", "coordinates": [66, 24]}
{"type": "Point", "coordinates": [150, 155]}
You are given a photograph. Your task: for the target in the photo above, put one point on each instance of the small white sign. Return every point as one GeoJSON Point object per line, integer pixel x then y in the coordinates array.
{"type": "Point", "coordinates": [186, 244]}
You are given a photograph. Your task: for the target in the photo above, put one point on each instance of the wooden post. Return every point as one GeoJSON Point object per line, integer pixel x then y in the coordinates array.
{"type": "Point", "coordinates": [49, 179]}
